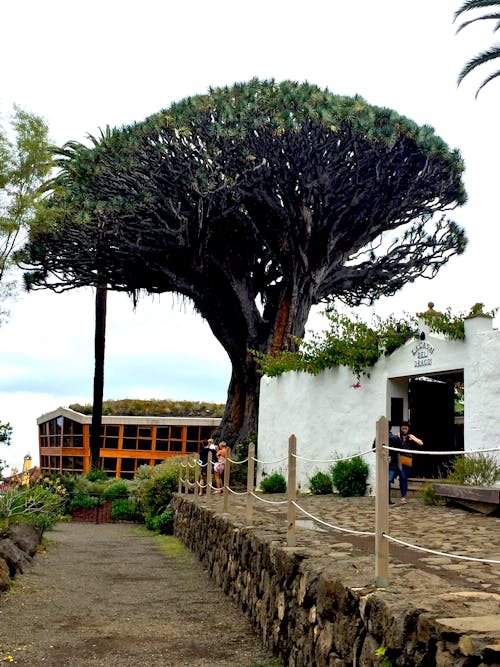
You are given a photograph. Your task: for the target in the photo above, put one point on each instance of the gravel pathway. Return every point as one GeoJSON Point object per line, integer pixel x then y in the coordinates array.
{"type": "Point", "coordinates": [116, 595]}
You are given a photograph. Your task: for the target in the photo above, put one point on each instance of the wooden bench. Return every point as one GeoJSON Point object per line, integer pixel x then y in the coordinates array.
{"type": "Point", "coordinates": [484, 499]}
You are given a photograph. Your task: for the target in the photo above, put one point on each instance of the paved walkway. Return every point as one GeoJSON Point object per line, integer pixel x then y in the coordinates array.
{"type": "Point", "coordinates": [445, 529]}
{"type": "Point", "coordinates": [114, 595]}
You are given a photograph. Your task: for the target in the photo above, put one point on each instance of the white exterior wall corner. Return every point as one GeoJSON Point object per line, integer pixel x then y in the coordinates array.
{"type": "Point", "coordinates": [482, 392]}
{"type": "Point", "coordinates": [331, 418]}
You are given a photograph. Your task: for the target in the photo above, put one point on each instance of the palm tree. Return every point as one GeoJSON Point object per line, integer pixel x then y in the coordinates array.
{"type": "Point", "coordinates": [489, 54]}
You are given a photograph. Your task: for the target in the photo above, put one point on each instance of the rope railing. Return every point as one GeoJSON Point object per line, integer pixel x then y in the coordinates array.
{"type": "Point", "coordinates": [239, 463]}
{"type": "Point", "coordinates": [436, 453]}
{"type": "Point", "coordinates": [330, 525]}
{"type": "Point", "coordinates": [345, 458]}
{"type": "Point", "coordinates": [283, 458]}
{"type": "Point", "coordinates": [269, 502]}
{"type": "Point", "coordinates": [381, 532]}
{"type": "Point", "coordinates": [237, 493]}
{"type": "Point", "coordinates": [440, 553]}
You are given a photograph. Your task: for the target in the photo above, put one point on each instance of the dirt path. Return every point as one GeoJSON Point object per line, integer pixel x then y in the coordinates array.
{"type": "Point", "coordinates": [116, 595]}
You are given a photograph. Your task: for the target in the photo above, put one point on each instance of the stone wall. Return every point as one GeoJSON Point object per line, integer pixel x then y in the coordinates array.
{"type": "Point", "coordinates": [313, 609]}
{"type": "Point", "coordinates": [18, 544]}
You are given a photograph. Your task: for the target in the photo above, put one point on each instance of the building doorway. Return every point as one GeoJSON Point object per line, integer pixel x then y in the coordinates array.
{"type": "Point", "coordinates": [431, 402]}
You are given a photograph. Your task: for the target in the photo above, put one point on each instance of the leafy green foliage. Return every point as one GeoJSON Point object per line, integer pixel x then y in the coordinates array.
{"type": "Point", "coordinates": [124, 509]}
{"type": "Point", "coordinates": [353, 343]}
{"type": "Point", "coordinates": [25, 161]}
{"type": "Point", "coordinates": [320, 484]}
{"type": "Point", "coordinates": [5, 434]}
{"type": "Point", "coordinates": [165, 522]}
{"type": "Point", "coordinates": [155, 491]}
{"type": "Point", "coordinates": [5, 439]}
{"type": "Point", "coordinates": [382, 653]}
{"type": "Point", "coordinates": [275, 483]}
{"type": "Point", "coordinates": [446, 323]}
{"type": "Point", "coordinates": [155, 408]}
{"type": "Point", "coordinates": [117, 489]}
{"type": "Point", "coordinates": [97, 476]}
{"type": "Point", "coordinates": [348, 342]}
{"type": "Point", "coordinates": [349, 477]}
{"type": "Point", "coordinates": [83, 501]}
{"type": "Point", "coordinates": [429, 495]}
{"type": "Point", "coordinates": [479, 469]}
{"type": "Point", "coordinates": [161, 523]}
{"type": "Point", "coordinates": [36, 505]}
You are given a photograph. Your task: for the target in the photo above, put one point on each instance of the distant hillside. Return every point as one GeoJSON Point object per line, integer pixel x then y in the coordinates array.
{"type": "Point", "coordinates": [155, 408]}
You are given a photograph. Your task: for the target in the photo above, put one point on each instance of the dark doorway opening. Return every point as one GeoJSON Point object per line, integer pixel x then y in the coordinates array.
{"type": "Point", "coordinates": [431, 403]}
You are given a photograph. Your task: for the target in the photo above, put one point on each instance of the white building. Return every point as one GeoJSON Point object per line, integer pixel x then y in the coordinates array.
{"type": "Point", "coordinates": [332, 416]}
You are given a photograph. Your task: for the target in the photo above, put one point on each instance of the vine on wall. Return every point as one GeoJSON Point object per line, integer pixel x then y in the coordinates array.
{"type": "Point", "coordinates": [353, 343]}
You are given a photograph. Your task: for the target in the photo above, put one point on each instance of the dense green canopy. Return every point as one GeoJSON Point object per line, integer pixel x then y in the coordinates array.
{"type": "Point", "coordinates": [256, 201]}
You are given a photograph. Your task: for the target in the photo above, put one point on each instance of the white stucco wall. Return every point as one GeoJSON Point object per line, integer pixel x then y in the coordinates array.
{"type": "Point", "coordinates": [330, 417]}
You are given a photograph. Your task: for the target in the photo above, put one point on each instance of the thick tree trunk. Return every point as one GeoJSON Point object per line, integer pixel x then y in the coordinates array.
{"type": "Point", "coordinates": [240, 421]}
{"type": "Point", "coordinates": [99, 346]}
{"type": "Point", "coordinates": [241, 414]}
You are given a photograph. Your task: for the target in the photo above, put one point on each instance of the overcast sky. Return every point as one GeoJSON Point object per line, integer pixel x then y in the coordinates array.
{"type": "Point", "coordinates": [85, 65]}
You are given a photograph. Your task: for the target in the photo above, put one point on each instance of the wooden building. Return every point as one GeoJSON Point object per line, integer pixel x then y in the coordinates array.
{"type": "Point", "coordinates": [126, 442]}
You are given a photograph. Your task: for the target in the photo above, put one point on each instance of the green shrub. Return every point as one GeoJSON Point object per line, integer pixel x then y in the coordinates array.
{"type": "Point", "coordinates": [320, 484]}
{"type": "Point", "coordinates": [158, 492]}
{"type": "Point", "coordinates": [165, 522]}
{"type": "Point", "coordinates": [349, 477]}
{"type": "Point", "coordinates": [429, 495]}
{"type": "Point", "coordinates": [123, 509]}
{"type": "Point", "coordinates": [479, 469]}
{"type": "Point", "coordinates": [35, 505]}
{"type": "Point", "coordinates": [96, 476]}
{"type": "Point", "coordinates": [275, 483]}
{"type": "Point", "coordinates": [151, 522]}
{"type": "Point", "coordinates": [117, 489]}
{"type": "Point", "coordinates": [83, 501]}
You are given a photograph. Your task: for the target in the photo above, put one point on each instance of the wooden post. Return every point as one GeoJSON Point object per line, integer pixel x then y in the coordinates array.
{"type": "Point", "coordinates": [381, 504]}
{"type": "Point", "coordinates": [197, 471]}
{"type": "Point", "coordinates": [250, 481]}
{"type": "Point", "coordinates": [179, 486]}
{"type": "Point", "coordinates": [209, 475]}
{"type": "Point", "coordinates": [292, 490]}
{"type": "Point", "coordinates": [227, 467]}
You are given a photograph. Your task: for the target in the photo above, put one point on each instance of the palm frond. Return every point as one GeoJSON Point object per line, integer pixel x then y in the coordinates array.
{"type": "Point", "coordinates": [475, 4]}
{"type": "Point", "coordinates": [480, 59]}
{"type": "Point", "coordinates": [495, 16]}
{"type": "Point", "coordinates": [487, 80]}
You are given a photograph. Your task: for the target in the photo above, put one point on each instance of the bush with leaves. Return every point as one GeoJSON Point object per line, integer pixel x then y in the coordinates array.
{"type": "Point", "coordinates": [320, 484]}
{"type": "Point", "coordinates": [117, 488]}
{"type": "Point", "coordinates": [165, 522]}
{"type": "Point", "coordinates": [153, 488]}
{"type": "Point", "coordinates": [349, 477]}
{"type": "Point", "coordinates": [124, 509]}
{"type": "Point", "coordinates": [83, 501]}
{"type": "Point", "coordinates": [479, 469]}
{"type": "Point", "coordinates": [275, 483]}
{"type": "Point", "coordinates": [35, 505]}
{"type": "Point", "coordinates": [97, 476]}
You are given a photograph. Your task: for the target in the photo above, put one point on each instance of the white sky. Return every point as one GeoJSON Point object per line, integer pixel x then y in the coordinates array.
{"type": "Point", "coordinates": [85, 65]}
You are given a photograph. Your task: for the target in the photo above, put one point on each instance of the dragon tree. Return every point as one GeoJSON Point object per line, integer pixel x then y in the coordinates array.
{"type": "Point", "coordinates": [255, 202]}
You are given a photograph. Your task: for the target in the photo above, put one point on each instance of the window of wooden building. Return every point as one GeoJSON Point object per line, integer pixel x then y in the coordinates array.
{"type": "Point", "coordinates": [124, 447]}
